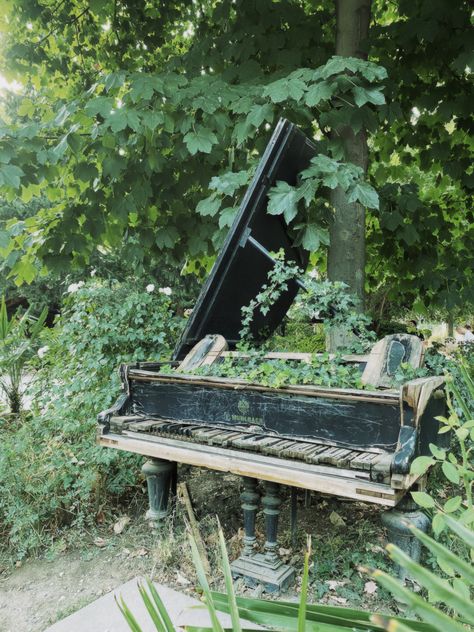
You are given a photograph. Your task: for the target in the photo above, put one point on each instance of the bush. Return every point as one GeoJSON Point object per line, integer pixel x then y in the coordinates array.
{"type": "Point", "coordinates": [52, 473]}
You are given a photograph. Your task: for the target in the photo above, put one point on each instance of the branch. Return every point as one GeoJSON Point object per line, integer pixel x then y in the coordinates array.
{"type": "Point", "coordinates": [53, 30]}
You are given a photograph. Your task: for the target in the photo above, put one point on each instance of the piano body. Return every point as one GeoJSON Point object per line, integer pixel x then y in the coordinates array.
{"type": "Point", "coordinates": [356, 444]}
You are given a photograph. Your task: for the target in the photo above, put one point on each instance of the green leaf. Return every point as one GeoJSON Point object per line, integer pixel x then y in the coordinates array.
{"type": "Point", "coordinates": [85, 171]}
{"type": "Point", "coordinates": [451, 472]}
{"type": "Point", "coordinates": [26, 108]}
{"type": "Point", "coordinates": [423, 499]}
{"type": "Point", "coordinates": [10, 175]}
{"type": "Point", "coordinates": [313, 237]}
{"type": "Point", "coordinates": [365, 194]}
{"type": "Point", "coordinates": [229, 182]}
{"type": "Point", "coordinates": [227, 216]}
{"type": "Point", "coordinates": [367, 95]}
{"type": "Point", "coordinates": [421, 464]}
{"type": "Point", "coordinates": [166, 237]}
{"type": "Point", "coordinates": [100, 105]}
{"type": "Point", "coordinates": [118, 120]}
{"type": "Point", "coordinates": [260, 113]}
{"type": "Point", "coordinates": [452, 504]}
{"type": "Point", "coordinates": [284, 89]}
{"type": "Point", "coordinates": [200, 139]}
{"type": "Point", "coordinates": [209, 206]}
{"type": "Point", "coordinates": [283, 201]}
{"type": "Point", "coordinates": [319, 92]}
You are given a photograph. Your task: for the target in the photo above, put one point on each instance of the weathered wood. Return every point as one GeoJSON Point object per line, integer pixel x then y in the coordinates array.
{"type": "Point", "coordinates": [204, 353]}
{"type": "Point", "coordinates": [382, 363]}
{"type": "Point", "coordinates": [338, 482]}
{"type": "Point", "coordinates": [417, 393]}
{"type": "Point", "coordinates": [183, 495]}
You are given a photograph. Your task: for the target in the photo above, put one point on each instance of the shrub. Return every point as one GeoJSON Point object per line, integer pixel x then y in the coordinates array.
{"type": "Point", "coordinates": [52, 473]}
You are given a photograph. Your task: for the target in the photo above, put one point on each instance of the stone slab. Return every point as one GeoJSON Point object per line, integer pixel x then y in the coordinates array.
{"type": "Point", "coordinates": [103, 614]}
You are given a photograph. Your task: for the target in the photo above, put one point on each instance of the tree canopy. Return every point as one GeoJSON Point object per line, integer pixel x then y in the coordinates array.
{"type": "Point", "coordinates": [141, 124]}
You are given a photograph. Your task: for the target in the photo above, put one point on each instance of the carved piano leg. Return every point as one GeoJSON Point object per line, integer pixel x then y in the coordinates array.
{"type": "Point", "coordinates": [396, 520]}
{"type": "Point", "coordinates": [262, 568]}
{"type": "Point", "coordinates": [159, 477]}
{"type": "Point", "coordinates": [250, 498]}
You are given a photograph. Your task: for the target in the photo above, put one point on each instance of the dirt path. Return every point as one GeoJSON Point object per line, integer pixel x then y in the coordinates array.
{"type": "Point", "coordinates": [42, 592]}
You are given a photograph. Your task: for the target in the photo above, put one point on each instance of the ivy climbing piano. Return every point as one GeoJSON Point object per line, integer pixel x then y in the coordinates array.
{"type": "Point", "coordinates": [356, 444]}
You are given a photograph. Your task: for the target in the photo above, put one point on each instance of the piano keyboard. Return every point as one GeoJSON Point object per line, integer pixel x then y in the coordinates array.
{"type": "Point", "coordinates": [313, 453]}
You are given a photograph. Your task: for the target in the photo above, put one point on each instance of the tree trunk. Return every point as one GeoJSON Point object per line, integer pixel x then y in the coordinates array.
{"type": "Point", "coordinates": [346, 258]}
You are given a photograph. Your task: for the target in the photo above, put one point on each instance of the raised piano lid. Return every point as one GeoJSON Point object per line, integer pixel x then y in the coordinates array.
{"type": "Point", "coordinates": [241, 267]}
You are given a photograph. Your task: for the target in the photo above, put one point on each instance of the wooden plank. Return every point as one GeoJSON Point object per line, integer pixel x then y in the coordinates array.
{"type": "Point", "coordinates": [205, 352]}
{"type": "Point", "coordinates": [329, 480]}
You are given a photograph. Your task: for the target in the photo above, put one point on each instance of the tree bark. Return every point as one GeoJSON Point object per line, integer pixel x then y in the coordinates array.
{"type": "Point", "coordinates": [346, 258]}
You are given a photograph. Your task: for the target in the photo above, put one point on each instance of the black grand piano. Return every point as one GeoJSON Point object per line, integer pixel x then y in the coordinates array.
{"type": "Point", "coordinates": [356, 444]}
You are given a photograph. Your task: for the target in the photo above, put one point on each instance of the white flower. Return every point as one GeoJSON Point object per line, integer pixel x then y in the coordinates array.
{"type": "Point", "coordinates": [165, 290]}
{"type": "Point", "coordinates": [42, 351]}
{"type": "Point", "coordinates": [150, 288]}
{"type": "Point", "coordinates": [74, 287]}
{"type": "Point", "coordinates": [313, 274]}
{"type": "Point", "coordinates": [93, 272]}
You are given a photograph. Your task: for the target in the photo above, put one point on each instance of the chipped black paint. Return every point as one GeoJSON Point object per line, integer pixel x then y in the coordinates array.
{"type": "Point", "coordinates": [358, 424]}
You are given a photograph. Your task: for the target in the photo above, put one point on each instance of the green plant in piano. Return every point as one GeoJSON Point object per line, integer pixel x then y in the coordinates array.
{"type": "Point", "coordinates": [55, 480]}
{"type": "Point", "coordinates": [457, 464]}
{"type": "Point", "coordinates": [19, 336]}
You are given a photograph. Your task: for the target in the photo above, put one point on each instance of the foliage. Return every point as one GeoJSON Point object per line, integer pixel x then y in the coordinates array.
{"type": "Point", "coordinates": [96, 145]}
{"type": "Point", "coordinates": [127, 112]}
{"type": "Point", "coordinates": [319, 299]}
{"type": "Point", "coordinates": [18, 342]}
{"type": "Point", "coordinates": [453, 593]}
{"type": "Point", "coordinates": [62, 477]}
{"type": "Point", "coordinates": [323, 370]}
{"type": "Point", "coordinates": [457, 464]}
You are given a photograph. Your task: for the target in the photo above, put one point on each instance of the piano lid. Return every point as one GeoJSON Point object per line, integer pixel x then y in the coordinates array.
{"type": "Point", "coordinates": [242, 266]}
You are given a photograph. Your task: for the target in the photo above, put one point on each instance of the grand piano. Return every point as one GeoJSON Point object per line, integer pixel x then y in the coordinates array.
{"type": "Point", "coordinates": [350, 443]}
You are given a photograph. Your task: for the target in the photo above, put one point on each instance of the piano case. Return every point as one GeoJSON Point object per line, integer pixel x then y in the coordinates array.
{"type": "Point", "coordinates": [356, 444]}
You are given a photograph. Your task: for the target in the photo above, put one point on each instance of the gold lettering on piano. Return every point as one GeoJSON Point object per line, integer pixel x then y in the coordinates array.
{"type": "Point", "coordinates": [248, 420]}
{"type": "Point", "coordinates": [243, 407]}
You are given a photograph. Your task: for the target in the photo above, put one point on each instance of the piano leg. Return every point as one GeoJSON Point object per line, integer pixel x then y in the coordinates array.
{"type": "Point", "coordinates": [250, 498]}
{"type": "Point", "coordinates": [396, 520]}
{"type": "Point", "coordinates": [262, 568]}
{"type": "Point", "coordinates": [160, 475]}
{"type": "Point", "coordinates": [271, 508]}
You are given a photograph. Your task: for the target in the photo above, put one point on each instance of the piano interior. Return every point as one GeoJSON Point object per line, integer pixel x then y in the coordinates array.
{"type": "Point", "coordinates": [350, 443]}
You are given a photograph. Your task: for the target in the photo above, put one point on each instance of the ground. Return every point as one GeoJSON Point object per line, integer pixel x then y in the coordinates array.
{"type": "Point", "coordinates": [345, 535]}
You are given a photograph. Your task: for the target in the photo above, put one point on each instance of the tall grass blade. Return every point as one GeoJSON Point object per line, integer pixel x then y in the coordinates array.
{"type": "Point", "coordinates": [430, 581]}
{"type": "Point", "coordinates": [460, 399]}
{"type": "Point", "coordinates": [229, 584]}
{"type": "Point", "coordinates": [422, 608]}
{"type": "Point", "coordinates": [128, 616]}
{"type": "Point", "coordinates": [161, 606]}
{"type": "Point", "coordinates": [4, 324]}
{"type": "Point", "coordinates": [332, 615]}
{"type": "Point", "coordinates": [216, 626]}
{"type": "Point", "coordinates": [304, 589]}
{"type": "Point", "coordinates": [155, 616]}
{"type": "Point", "coordinates": [390, 624]}
{"type": "Point", "coordinates": [467, 535]}
{"type": "Point", "coordinates": [455, 562]}
{"type": "Point", "coordinates": [467, 381]}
